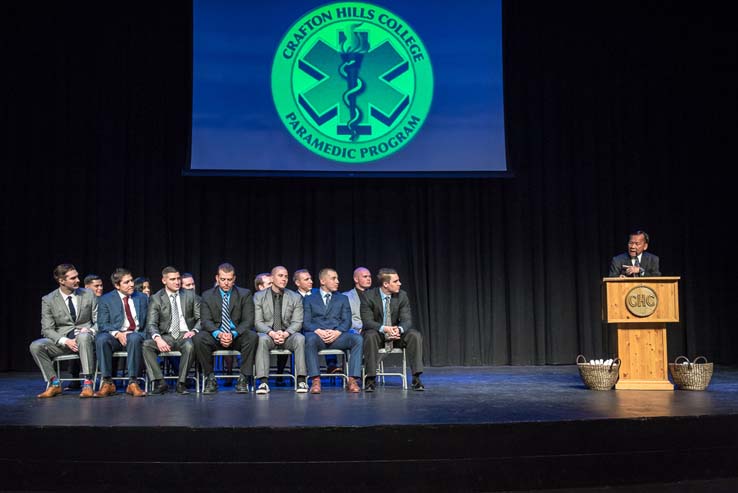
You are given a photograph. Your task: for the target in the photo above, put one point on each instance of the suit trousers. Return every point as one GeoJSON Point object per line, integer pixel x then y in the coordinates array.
{"type": "Point", "coordinates": [411, 340]}
{"type": "Point", "coordinates": [295, 343]}
{"type": "Point", "coordinates": [45, 350]}
{"type": "Point", "coordinates": [106, 344]}
{"type": "Point", "coordinates": [184, 346]}
{"type": "Point", "coordinates": [245, 343]}
{"type": "Point", "coordinates": [347, 340]}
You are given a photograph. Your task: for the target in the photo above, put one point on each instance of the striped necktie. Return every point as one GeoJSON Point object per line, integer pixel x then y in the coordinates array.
{"type": "Point", "coordinates": [225, 316]}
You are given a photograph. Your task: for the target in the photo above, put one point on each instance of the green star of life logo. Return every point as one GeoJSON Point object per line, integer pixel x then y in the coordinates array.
{"type": "Point", "coordinates": [352, 82]}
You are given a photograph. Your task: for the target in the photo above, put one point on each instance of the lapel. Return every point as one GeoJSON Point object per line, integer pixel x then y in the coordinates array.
{"type": "Point", "coordinates": [269, 304]}
{"type": "Point", "coordinates": [166, 308]}
{"type": "Point", "coordinates": [61, 306]}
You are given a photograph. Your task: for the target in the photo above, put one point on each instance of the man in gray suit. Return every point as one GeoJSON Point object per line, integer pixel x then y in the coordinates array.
{"type": "Point", "coordinates": [173, 319]}
{"type": "Point", "coordinates": [362, 282]}
{"type": "Point", "coordinates": [278, 318]}
{"type": "Point", "coordinates": [68, 326]}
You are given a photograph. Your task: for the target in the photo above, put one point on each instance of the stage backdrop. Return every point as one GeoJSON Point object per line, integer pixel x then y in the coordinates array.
{"type": "Point", "coordinates": [618, 116]}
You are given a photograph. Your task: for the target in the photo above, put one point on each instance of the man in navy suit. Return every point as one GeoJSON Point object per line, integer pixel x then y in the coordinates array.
{"type": "Point", "coordinates": [636, 262]}
{"type": "Point", "coordinates": [326, 325]}
{"type": "Point", "coordinates": [121, 318]}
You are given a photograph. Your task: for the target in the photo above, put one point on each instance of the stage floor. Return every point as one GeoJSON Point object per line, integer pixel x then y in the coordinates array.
{"type": "Point", "coordinates": [454, 395]}
{"type": "Point", "coordinates": [473, 429]}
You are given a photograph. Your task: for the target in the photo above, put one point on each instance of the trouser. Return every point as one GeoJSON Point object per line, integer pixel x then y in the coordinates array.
{"type": "Point", "coordinates": [106, 344]}
{"type": "Point", "coordinates": [184, 346]}
{"type": "Point", "coordinates": [411, 340]}
{"type": "Point", "coordinates": [245, 343]}
{"type": "Point", "coordinates": [295, 343]}
{"type": "Point", "coordinates": [45, 350]}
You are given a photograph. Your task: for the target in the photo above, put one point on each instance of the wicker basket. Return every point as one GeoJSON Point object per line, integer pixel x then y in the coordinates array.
{"type": "Point", "coordinates": [692, 376]}
{"type": "Point", "coordinates": [598, 377]}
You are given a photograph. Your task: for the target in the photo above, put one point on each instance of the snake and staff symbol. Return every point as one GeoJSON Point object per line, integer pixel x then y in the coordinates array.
{"type": "Point", "coordinates": [354, 46]}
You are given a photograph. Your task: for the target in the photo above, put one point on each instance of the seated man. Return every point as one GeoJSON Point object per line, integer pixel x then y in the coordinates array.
{"type": "Point", "coordinates": [278, 319]}
{"type": "Point", "coordinates": [68, 326]}
{"type": "Point", "coordinates": [173, 319]}
{"type": "Point", "coordinates": [362, 282]}
{"type": "Point", "coordinates": [94, 283]}
{"type": "Point", "coordinates": [227, 317]}
{"type": "Point", "coordinates": [387, 319]}
{"type": "Point", "coordinates": [121, 318]}
{"type": "Point", "coordinates": [327, 325]}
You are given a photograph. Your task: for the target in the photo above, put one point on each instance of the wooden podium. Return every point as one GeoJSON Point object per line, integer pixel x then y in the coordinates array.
{"type": "Point", "coordinates": [641, 307]}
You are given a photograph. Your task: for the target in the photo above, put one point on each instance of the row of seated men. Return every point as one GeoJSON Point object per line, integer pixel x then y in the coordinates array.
{"type": "Point", "coordinates": [82, 321]}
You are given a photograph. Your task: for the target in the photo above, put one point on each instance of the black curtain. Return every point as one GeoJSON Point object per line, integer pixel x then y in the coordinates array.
{"type": "Point", "coordinates": [619, 116]}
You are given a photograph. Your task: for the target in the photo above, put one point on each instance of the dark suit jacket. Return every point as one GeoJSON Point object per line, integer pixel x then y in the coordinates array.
{"type": "Point", "coordinates": [337, 315]}
{"type": "Point", "coordinates": [110, 314]}
{"type": "Point", "coordinates": [649, 265]}
{"type": "Point", "coordinates": [159, 316]}
{"type": "Point", "coordinates": [241, 306]}
{"type": "Point", "coordinates": [372, 311]}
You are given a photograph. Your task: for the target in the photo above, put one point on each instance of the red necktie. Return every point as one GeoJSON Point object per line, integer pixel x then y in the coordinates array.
{"type": "Point", "coordinates": [129, 316]}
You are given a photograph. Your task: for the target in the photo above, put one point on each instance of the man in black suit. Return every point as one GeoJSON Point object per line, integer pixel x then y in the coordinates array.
{"type": "Point", "coordinates": [227, 317]}
{"type": "Point", "coordinates": [636, 262]}
{"type": "Point", "coordinates": [173, 320]}
{"type": "Point", "coordinates": [394, 326]}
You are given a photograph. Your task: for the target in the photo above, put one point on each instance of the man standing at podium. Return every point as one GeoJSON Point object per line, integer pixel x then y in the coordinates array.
{"type": "Point", "coordinates": [636, 262]}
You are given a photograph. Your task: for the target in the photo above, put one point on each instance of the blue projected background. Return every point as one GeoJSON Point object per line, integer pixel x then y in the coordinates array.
{"type": "Point", "coordinates": [236, 128]}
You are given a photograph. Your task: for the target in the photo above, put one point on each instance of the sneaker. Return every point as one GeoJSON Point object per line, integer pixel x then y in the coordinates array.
{"type": "Point", "coordinates": [263, 388]}
{"type": "Point", "coordinates": [211, 385]}
{"type": "Point", "coordinates": [242, 386]}
{"type": "Point", "coordinates": [302, 388]}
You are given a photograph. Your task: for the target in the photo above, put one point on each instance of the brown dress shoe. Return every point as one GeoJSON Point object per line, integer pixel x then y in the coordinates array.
{"type": "Point", "coordinates": [134, 390]}
{"type": "Point", "coordinates": [51, 391]}
{"type": "Point", "coordinates": [315, 386]}
{"type": "Point", "coordinates": [353, 387]}
{"type": "Point", "coordinates": [107, 388]}
{"type": "Point", "coordinates": [87, 392]}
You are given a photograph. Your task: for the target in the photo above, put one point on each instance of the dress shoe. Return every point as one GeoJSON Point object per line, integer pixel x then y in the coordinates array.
{"type": "Point", "coordinates": [417, 384]}
{"type": "Point", "coordinates": [182, 388]}
{"type": "Point", "coordinates": [76, 385]}
{"type": "Point", "coordinates": [86, 392]}
{"type": "Point", "coordinates": [242, 386]}
{"type": "Point", "coordinates": [315, 386]}
{"type": "Point", "coordinates": [134, 390]}
{"type": "Point", "coordinates": [107, 388]}
{"type": "Point", "coordinates": [51, 391]}
{"type": "Point", "coordinates": [160, 387]}
{"type": "Point", "coordinates": [352, 386]}
{"type": "Point", "coordinates": [211, 385]}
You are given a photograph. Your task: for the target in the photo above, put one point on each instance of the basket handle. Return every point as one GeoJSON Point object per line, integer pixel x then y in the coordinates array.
{"type": "Point", "coordinates": [581, 356]}
{"type": "Point", "coordinates": [699, 357]}
{"type": "Point", "coordinates": [616, 360]}
{"type": "Point", "coordinates": [676, 361]}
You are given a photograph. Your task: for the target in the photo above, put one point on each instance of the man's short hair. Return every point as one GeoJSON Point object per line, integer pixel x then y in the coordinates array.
{"type": "Point", "coordinates": [385, 275]}
{"type": "Point", "coordinates": [297, 273]}
{"type": "Point", "coordinates": [185, 275]}
{"type": "Point", "coordinates": [60, 271]}
{"type": "Point", "coordinates": [91, 277]}
{"type": "Point", "coordinates": [118, 274]}
{"type": "Point", "coordinates": [324, 272]}
{"type": "Point", "coordinates": [226, 267]}
{"type": "Point", "coordinates": [639, 232]}
{"type": "Point", "coordinates": [259, 279]}
{"type": "Point", "coordinates": [169, 270]}
{"type": "Point", "coordinates": [276, 268]}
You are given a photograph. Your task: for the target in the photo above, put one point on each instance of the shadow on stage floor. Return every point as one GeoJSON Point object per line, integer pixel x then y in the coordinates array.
{"type": "Point", "coordinates": [473, 429]}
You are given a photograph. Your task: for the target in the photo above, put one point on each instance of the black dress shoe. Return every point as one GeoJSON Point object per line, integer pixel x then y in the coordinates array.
{"type": "Point", "coordinates": [182, 388]}
{"type": "Point", "coordinates": [160, 387]}
{"type": "Point", "coordinates": [242, 386]}
{"type": "Point", "coordinates": [418, 385]}
{"type": "Point", "coordinates": [74, 386]}
{"type": "Point", "coordinates": [211, 386]}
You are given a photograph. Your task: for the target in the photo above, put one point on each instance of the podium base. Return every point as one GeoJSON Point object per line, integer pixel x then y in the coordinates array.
{"type": "Point", "coordinates": [644, 385]}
